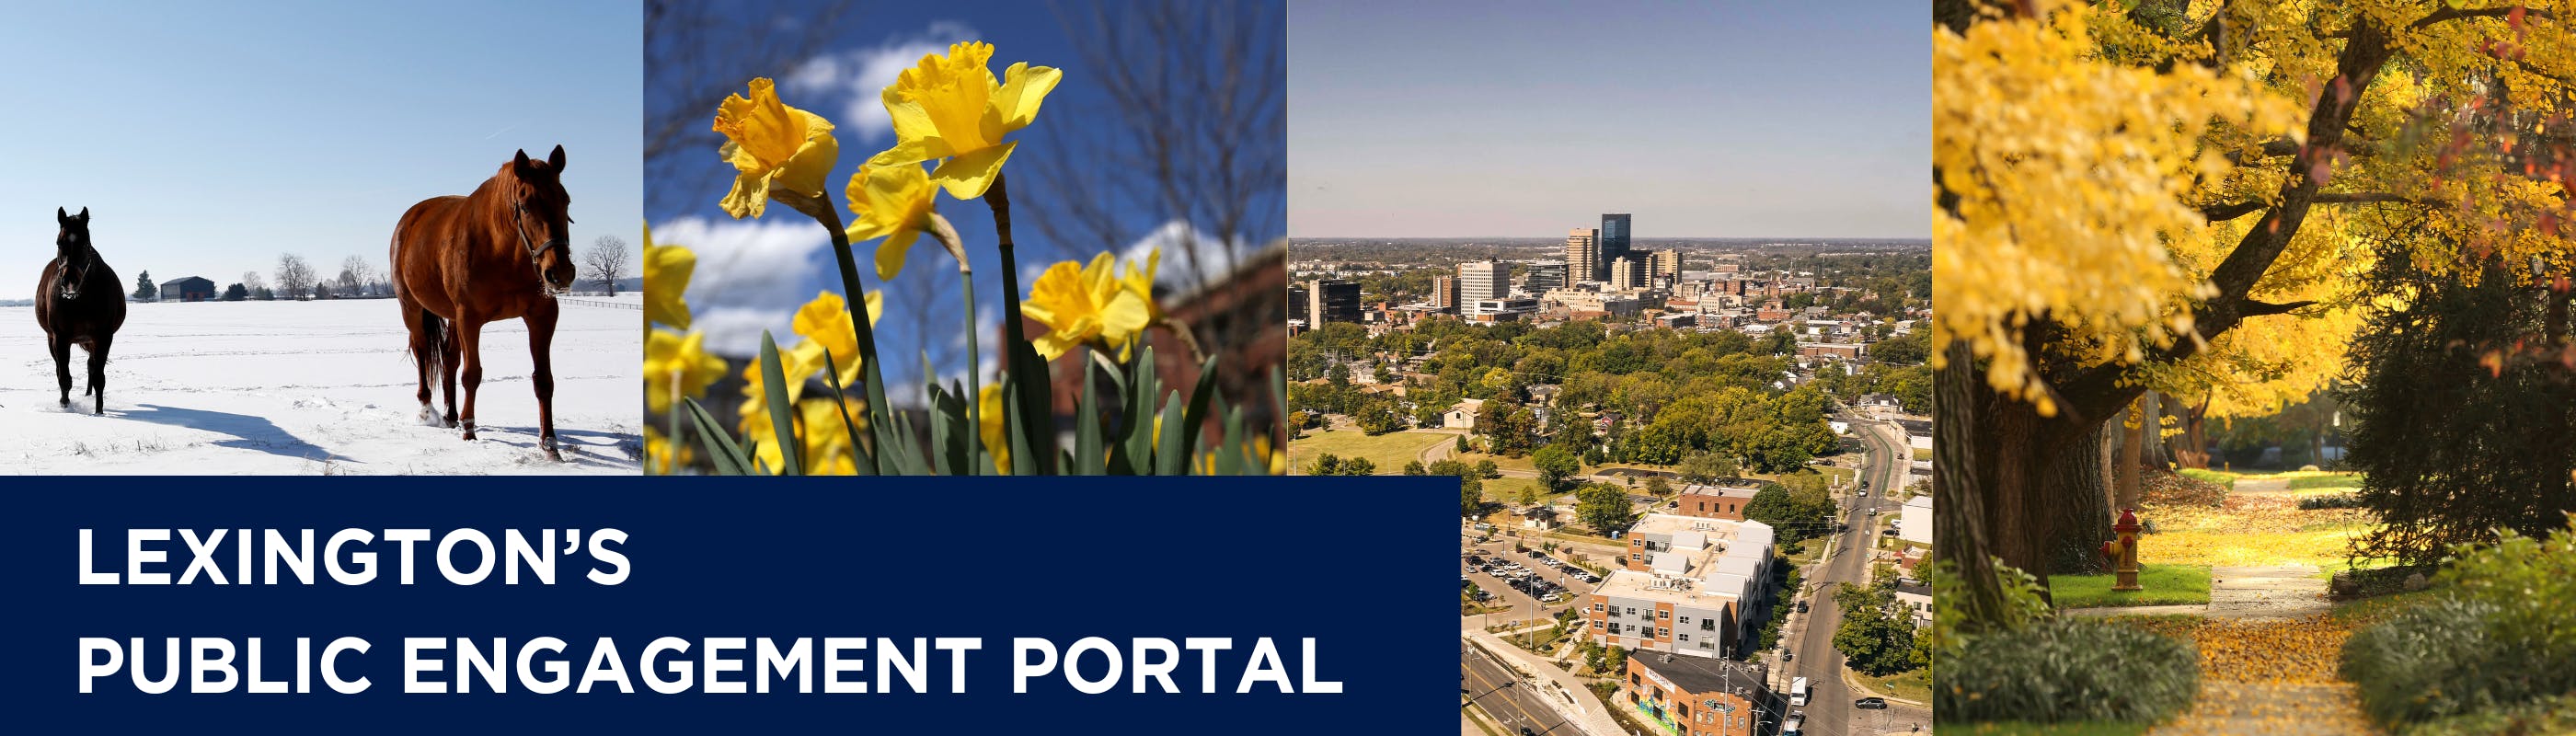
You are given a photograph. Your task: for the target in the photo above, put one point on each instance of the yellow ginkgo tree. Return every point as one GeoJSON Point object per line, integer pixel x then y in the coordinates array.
{"type": "Point", "coordinates": [954, 122]}
{"type": "Point", "coordinates": [2180, 197]}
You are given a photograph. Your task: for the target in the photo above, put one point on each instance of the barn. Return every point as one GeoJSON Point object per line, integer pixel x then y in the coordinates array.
{"type": "Point", "coordinates": [190, 289]}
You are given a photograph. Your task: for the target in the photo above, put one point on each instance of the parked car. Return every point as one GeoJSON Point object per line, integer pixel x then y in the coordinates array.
{"type": "Point", "coordinates": [1888, 532]}
{"type": "Point", "coordinates": [1871, 703]}
{"type": "Point", "coordinates": [1802, 606]}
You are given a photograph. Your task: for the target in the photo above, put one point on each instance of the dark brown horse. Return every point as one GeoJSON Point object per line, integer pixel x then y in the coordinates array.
{"type": "Point", "coordinates": [78, 302]}
{"type": "Point", "coordinates": [459, 263]}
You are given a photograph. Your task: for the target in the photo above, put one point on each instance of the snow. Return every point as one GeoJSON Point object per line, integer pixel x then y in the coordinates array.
{"type": "Point", "coordinates": [216, 388]}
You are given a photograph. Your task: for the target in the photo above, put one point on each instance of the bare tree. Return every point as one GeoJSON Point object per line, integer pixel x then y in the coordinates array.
{"type": "Point", "coordinates": [294, 277]}
{"type": "Point", "coordinates": [252, 283]}
{"type": "Point", "coordinates": [606, 261]}
{"type": "Point", "coordinates": [355, 276]}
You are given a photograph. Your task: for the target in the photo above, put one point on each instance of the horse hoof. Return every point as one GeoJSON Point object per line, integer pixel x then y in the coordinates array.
{"type": "Point", "coordinates": [553, 455]}
{"type": "Point", "coordinates": [469, 431]}
{"type": "Point", "coordinates": [552, 452]}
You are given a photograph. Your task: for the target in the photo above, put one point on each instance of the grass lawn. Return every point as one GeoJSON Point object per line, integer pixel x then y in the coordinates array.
{"type": "Point", "coordinates": [2166, 585]}
{"type": "Point", "coordinates": [2327, 480]}
{"type": "Point", "coordinates": [2252, 531]}
{"type": "Point", "coordinates": [2073, 728]}
{"type": "Point", "coordinates": [1915, 685]}
{"type": "Point", "coordinates": [1922, 453]}
{"type": "Point", "coordinates": [1505, 490]}
{"type": "Point", "coordinates": [1389, 451]}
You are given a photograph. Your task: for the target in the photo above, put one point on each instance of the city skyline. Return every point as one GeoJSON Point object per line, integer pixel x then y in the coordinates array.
{"type": "Point", "coordinates": [1725, 120]}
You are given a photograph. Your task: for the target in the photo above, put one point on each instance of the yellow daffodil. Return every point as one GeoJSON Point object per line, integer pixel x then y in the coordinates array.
{"type": "Point", "coordinates": [988, 405]}
{"type": "Point", "coordinates": [676, 365]}
{"type": "Point", "coordinates": [825, 324]}
{"type": "Point", "coordinates": [1141, 283]}
{"type": "Point", "coordinates": [666, 282]}
{"type": "Point", "coordinates": [951, 107]}
{"type": "Point", "coordinates": [772, 145]}
{"type": "Point", "coordinates": [1081, 304]}
{"type": "Point", "coordinates": [796, 364]}
{"type": "Point", "coordinates": [891, 201]}
{"type": "Point", "coordinates": [663, 456]}
{"type": "Point", "coordinates": [828, 446]}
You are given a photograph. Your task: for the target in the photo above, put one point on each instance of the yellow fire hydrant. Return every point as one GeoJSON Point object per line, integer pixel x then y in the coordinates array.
{"type": "Point", "coordinates": [2123, 551]}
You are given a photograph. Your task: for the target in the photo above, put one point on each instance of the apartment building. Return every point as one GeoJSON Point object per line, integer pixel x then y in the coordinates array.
{"type": "Point", "coordinates": [1691, 586]}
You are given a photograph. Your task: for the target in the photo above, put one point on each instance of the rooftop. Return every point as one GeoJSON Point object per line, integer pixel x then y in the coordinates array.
{"type": "Point", "coordinates": [1706, 674]}
{"type": "Point", "coordinates": [1727, 491]}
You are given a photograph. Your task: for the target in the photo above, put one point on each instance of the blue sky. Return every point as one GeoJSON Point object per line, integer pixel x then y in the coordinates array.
{"type": "Point", "coordinates": [1717, 119]}
{"type": "Point", "coordinates": [752, 274]}
{"type": "Point", "coordinates": [208, 138]}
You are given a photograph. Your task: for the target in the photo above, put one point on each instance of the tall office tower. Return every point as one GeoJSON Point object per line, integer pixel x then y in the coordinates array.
{"type": "Point", "coordinates": [1481, 280]}
{"type": "Point", "coordinates": [1332, 300]}
{"type": "Point", "coordinates": [1627, 273]}
{"type": "Point", "coordinates": [1614, 236]}
{"type": "Point", "coordinates": [1665, 264]}
{"type": "Point", "coordinates": [1583, 255]}
{"type": "Point", "coordinates": [1545, 277]}
{"type": "Point", "coordinates": [1444, 293]}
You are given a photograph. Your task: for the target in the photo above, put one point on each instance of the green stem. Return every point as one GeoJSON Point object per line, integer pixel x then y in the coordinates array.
{"type": "Point", "coordinates": [974, 382]}
{"type": "Point", "coordinates": [1026, 390]}
{"type": "Point", "coordinates": [856, 299]}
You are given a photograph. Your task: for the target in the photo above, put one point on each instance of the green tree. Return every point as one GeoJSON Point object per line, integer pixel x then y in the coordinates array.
{"type": "Point", "coordinates": [1873, 640]}
{"type": "Point", "coordinates": [1706, 467]}
{"type": "Point", "coordinates": [1657, 485]}
{"type": "Point", "coordinates": [1471, 501]}
{"type": "Point", "coordinates": [235, 293]}
{"type": "Point", "coordinates": [1326, 464]}
{"type": "Point", "coordinates": [1603, 507]}
{"type": "Point", "coordinates": [144, 290]}
{"type": "Point", "coordinates": [1414, 467]}
{"type": "Point", "coordinates": [1555, 465]}
{"type": "Point", "coordinates": [1487, 470]}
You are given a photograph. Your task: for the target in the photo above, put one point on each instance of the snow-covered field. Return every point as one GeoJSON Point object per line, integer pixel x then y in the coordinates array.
{"type": "Point", "coordinates": [314, 387]}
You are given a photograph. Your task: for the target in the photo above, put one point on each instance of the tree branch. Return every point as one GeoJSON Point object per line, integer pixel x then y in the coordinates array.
{"type": "Point", "coordinates": [2233, 210]}
{"type": "Point", "coordinates": [2446, 14]}
{"type": "Point", "coordinates": [2253, 308]}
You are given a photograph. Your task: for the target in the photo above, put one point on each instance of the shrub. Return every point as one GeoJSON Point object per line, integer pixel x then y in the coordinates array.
{"type": "Point", "coordinates": [2068, 670]}
{"type": "Point", "coordinates": [2335, 501]}
{"type": "Point", "coordinates": [2495, 641]}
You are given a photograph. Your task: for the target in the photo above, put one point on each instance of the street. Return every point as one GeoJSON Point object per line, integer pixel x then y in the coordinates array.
{"type": "Point", "coordinates": [1490, 686]}
{"type": "Point", "coordinates": [1829, 700]}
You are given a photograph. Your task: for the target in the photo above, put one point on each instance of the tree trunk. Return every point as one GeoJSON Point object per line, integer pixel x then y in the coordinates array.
{"type": "Point", "coordinates": [2129, 487]}
{"type": "Point", "coordinates": [1958, 503]}
{"type": "Point", "coordinates": [2194, 452]}
{"type": "Point", "coordinates": [2079, 501]}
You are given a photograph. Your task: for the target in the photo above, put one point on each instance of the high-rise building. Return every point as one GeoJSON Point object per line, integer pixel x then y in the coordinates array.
{"type": "Point", "coordinates": [1665, 264]}
{"type": "Point", "coordinates": [1331, 300]}
{"type": "Point", "coordinates": [1627, 273]}
{"type": "Point", "coordinates": [1545, 277]}
{"type": "Point", "coordinates": [1583, 255]}
{"type": "Point", "coordinates": [1614, 236]}
{"type": "Point", "coordinates": [1482, 280]}
{"type": "Point", "coordinates": [1444, 293]}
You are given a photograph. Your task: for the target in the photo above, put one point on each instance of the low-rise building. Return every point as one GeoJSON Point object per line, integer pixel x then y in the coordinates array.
{"type": "Point", "coordinates": [1695, 696]}
{"type": "Point", "coordinates": [1462, 415]}
{"type": "Point", "coordinates": [1713, 502]}
{"type": "Point", "coordinates": [1691, 586]}
{"type": "Point", "coordinates": [1918, 520]}
{"type": "Point", "coordinates": [1916, 600]}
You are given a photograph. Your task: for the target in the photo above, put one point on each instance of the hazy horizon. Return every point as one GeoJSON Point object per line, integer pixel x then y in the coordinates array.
{"type": "Point", "coordinates": [1732, 119]}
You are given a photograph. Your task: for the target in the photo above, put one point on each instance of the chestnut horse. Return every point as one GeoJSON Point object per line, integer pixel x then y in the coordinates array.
{"type": "Point", "coordinates": [503, 252]}
{"type": "Point", "coordinates": [79, 303]}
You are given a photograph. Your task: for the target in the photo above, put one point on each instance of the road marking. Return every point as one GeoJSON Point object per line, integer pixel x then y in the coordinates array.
{"type": "Point", "coordinates": [1479, 701]}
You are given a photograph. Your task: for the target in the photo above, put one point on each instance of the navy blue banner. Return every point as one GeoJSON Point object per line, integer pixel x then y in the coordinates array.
{"type": "Point", "coordinates": [704, 586]}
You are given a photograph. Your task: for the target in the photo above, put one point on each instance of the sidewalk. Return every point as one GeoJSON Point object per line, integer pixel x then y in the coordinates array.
{"type": "Point", "coordinates": [1565, 693]}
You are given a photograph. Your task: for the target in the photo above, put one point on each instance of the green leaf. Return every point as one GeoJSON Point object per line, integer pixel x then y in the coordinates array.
{"type": "Point", "coordinates": [864, 459]}
{"type": "Point", "coordinates": [782, 417]}
{"type": "Point", "coordinates": [1088, 458]}
{"type": "Point", "coordinates": [1172, 449]}
{"type": "Point", "coordinates": [720, 448]}
{"type": "Point", "coordinates": [1137, 411]}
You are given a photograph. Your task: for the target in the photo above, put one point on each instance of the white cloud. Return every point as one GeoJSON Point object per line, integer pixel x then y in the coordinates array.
{"type": "Point", "coordinates": [861, 74]}
{"type": "Point", "coordinates": [1217, 258]}
{"type": "Point", "coordinates": [751, 276]}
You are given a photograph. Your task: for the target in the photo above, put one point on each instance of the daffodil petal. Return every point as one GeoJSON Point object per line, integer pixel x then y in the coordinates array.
{"type": "Point", "coordinates": [890, 254]}
{"type": "Point", "coordinates": [1024, 88]}
{"type": "Point", "coordinates": [750, 195]}
{"type": "Point", "coordinates": [969, 174]}
{"type": "Point", "coordinates": [806, 171]}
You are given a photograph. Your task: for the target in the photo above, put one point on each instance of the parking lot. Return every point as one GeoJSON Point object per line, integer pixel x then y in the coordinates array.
{"type": "Point", "coordinates": [1527, 581]}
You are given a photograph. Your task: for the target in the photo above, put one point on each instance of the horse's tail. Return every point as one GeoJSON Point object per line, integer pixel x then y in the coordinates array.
{"type": "Point", "coordinates": [429, 346]}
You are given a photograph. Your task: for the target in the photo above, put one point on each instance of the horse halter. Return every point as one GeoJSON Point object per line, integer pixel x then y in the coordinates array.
{"type": "Point", "coordinates": [70, 288]}
{"type": "Point", "coordinates": [519, 222]}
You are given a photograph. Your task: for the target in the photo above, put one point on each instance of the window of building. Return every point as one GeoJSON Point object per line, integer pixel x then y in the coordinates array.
{"type": "Point", "coordinates": [1667, 613]}
{"type": "Point", "coordinates": [1707, 624]}
{"type": "Point", "coordinates": [1685, 619]}
{"type": "Point", "coordinates": [1685, 637]}
{"type": "Point", "coordinates": [1663, 633]}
